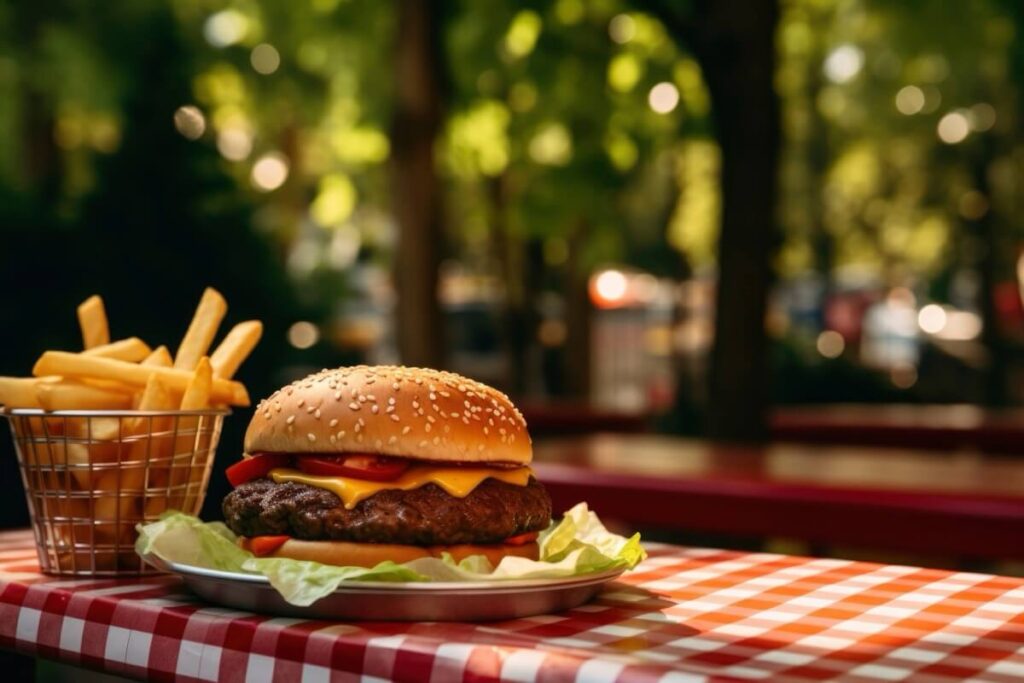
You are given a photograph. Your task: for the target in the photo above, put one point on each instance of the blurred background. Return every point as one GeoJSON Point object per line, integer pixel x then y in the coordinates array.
{"type": "Point", "coordinates": [695, 218]}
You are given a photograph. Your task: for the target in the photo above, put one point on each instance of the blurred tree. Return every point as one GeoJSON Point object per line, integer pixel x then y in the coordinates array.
{"type": "Point", "coordinates": [415, 191]}
{"type": "Point", "coordinates": [735, 44]}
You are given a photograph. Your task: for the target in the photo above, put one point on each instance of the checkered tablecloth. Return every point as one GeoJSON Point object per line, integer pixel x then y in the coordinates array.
{"type": "Point", "coordinates": [686, 614]}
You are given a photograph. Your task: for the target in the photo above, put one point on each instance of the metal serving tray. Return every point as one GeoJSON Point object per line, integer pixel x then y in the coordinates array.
{"type": "Point", "coordinates": [381, 601]}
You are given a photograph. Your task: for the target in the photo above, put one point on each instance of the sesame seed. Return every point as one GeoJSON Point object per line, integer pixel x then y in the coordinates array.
{"type": "Point", "coordinates": [480, 447]}
{"type": "Point", "coordinates": [423, 443]}
{"type": "Point", "coordinates": [353, 405]}
{"type": "Point", "coordinates": [427, 427]}
{"type": "Point", "coordinates": [378, 443]}
{"type": "Point", "coordinates": [374, 409]}
{"type": "Point", "coordinates": [311, 436]}
{"type": "Point", "coordinates": [486, 430]}
{"type": "Point", "coordinates": [391, 401]}
{"type": "Point", "coordinates": [362, 398]}
{"type": "Point", "coordinates": [341, 434]}
{"type": "Point", "coordinates": [359, 438]}
{"type": "Point", "coordinates": [333, 423]}
{"type": "Point", "coordinates": [447, 428]}
{"type": "Point", "coordinates": [431, 419]}
{"type": "Point", "coordinates": [406, 429]}
{"type": "Point", "coordinates": [433, 396]}
{"type": "Point", "coordinates": [395, 386]}
{"type": "Point", "coordinates": [415, 404]}
{"type": "Point", "coordinates": [444, 393]}
{"type": "Point", "coordinates": [337, 395]}
{"type": "Point", "coordinates": [437, 440]}
{"type": "Point", "coordinates": [394, 417]}
{"type": "Point", "coordinates": [392, 440]}
{"type": "Point", "coordinates": [290, 420]}
{"type": "Point", "coordinates": [301, 402]}
{"type": "Point", "coordinates": [334, 439]}
{"type": "Point", "coordinates": [358, 427]}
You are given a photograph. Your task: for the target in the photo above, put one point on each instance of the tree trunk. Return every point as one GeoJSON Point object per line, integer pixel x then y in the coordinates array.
{"type": "Point", "coordinates": [990, 265]}
{"type": "Point", "coordinates": [578, 318]}
{"type": "Point", "coordinates": [738, 57]}
{"type": "Point", "coordinates": [734, 42]}
{"type": "Point", "coordinates": [415, 188]}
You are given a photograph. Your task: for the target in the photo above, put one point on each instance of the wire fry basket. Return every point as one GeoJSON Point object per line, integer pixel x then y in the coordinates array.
{"type": "Point", "coordinates": [91, 475]}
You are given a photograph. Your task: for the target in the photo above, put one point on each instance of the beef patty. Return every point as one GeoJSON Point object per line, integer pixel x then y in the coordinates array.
{"type": "Point", "coordinates": [427, 515]}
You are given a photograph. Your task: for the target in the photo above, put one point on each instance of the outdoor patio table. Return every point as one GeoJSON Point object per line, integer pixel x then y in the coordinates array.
{"type": "Point", "coordinates": [686, 614]}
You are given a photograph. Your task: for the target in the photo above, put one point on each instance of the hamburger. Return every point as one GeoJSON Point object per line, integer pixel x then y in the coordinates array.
{"type": "Point", "coordinates": [360, 465]}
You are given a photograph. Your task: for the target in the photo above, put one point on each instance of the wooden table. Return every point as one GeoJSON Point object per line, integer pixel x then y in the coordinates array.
{"type": "Point", "coordinates": [685, 614]}
{"type": "Point", "coordinates": [941, 427]}
{"type": "Point", "coordinates": [916, 501]}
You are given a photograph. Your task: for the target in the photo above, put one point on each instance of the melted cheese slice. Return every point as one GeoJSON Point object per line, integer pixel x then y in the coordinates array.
{"type": "Point", "coordinates": [457, 481]}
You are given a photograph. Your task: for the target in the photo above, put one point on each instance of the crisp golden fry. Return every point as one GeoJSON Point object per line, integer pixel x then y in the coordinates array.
{"type": "Point", "coordinates": [132, 350]}
{"type": "Point", "coordinates": [197, 394]}
{"type": "Point", "coordinates": [69, 395]}
{"type": "Point", "coordinates": [92, 318]}
{"type": "Point", "coordinates": [21, 392]}
{"type": "Point", "coordinates": [235, 348]}
{"type": "Point", "coordinates": [201, 331]}
{"type": "Point", "coordinates": [160, 358]}
{"type": "Point", "coordinates": [76, 365]}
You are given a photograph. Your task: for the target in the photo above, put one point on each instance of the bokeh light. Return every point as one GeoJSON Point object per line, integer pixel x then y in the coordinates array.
{"type": "Point", "coordinates": [234, 143]}
{"type": "Point", "coordinates": [953, 128]}
{"type": "Point", "coordinates": [844, 63]}
{"type": "Point", "coordinates": [190, 122]}
{"type": "Point", "coordinates": [910, 100]}
{"type": "Point", "coordinates": [982, 116]}
{"type": "Point", "coordinates": [270, 171]}
{"type": "Point", "coordinates": [303, 334]}
{"type": "Point", "coordinates": [664, 97]}
{"type": "Point", "coordinates": [265, 59]}
{"type": "Point", "coordinates": [831, 344]}
{"type": "Point", "coordinates": [932, 319]}
{"type": "Point", "coordinates": [622, 28]}
{"type": "Point", "coordinates": [608, 288]}
{"type": "Point", "coordinates": [226, 27]}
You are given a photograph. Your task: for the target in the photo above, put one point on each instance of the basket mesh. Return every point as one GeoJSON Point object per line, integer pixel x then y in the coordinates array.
{"type": "Point", "coordinates": [91, 477]}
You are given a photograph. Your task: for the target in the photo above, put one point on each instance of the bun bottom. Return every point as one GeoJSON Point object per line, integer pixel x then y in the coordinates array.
{"type": "Point", "coordinates": [345, 554]}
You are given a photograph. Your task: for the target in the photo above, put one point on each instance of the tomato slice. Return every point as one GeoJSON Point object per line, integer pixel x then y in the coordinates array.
{"type": "Point", "coordinates": [264, 545]}
{"type": "Point", "coordinates": [522, 539]}
{"type": "Point", "coordinates": [256, 467]}
{"type": "Point", "coordinates": [357, 466]}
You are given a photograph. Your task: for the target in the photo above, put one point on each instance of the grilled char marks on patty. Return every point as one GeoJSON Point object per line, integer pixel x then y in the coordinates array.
{"type": "Point", "coordinates": [427, 515]}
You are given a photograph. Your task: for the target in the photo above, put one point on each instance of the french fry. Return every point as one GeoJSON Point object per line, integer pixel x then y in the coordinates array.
{"type": "Point", "coordinates": [132, 350]}
{"type": "Point", "coordinates": [197, 397]}
{"type": "Point", "coordinates": [21, 392]}
{"type": "Point", "coordinates": [154, 451]}
{"type": "Point", "coordinates": [201, 330]}
{"type": "Point", "coordinates": [197, 393]}
{"type": "Point", "coordinates": [92, 318]}
{"type": "Point", "coordinates": [235, 348]}
{"type": "Point", "coordinates": [159, 358]}
{"type": "Point", "coordinates": [70, 395]}
{"type": "Point", "coordinates": [76, 365]}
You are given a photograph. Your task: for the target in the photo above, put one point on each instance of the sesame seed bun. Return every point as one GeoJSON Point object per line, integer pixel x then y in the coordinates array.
{"type": "Point", "coordinates": [345, 554]}
{"type": "Point", "coordinates": [391, 410]}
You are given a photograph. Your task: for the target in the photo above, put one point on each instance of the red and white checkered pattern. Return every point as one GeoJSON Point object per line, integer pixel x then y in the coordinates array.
{"type": "Point", "coordinates": [684, 615]}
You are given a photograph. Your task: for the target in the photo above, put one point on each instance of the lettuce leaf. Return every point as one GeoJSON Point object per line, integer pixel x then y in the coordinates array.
{"type": "Point", "coordinates": [579, 544]}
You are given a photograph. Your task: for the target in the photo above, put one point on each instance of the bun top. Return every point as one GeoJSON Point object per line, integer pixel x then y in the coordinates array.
{"type": "Point", "coordinates": [391, 410]}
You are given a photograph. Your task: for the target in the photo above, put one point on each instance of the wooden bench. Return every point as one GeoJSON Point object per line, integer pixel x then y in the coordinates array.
{"type": "Point", "coordinates": [961, 504]}
{"type": "Point", "coordinates": [939, 427]}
